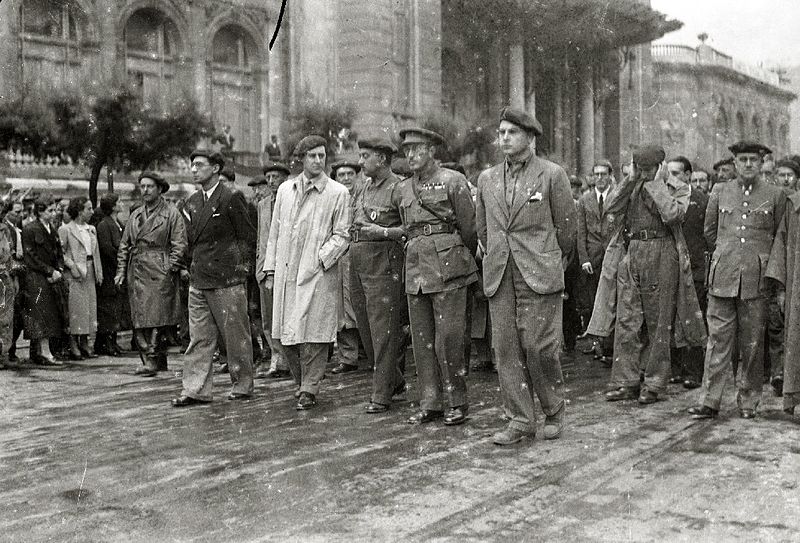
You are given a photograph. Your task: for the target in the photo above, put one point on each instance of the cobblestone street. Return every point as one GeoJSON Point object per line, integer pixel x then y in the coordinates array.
{"type": "Point", "coordinates": [92, 453]}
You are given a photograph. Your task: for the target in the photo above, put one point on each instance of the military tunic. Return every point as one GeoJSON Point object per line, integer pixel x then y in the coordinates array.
{"type": "Point", "coordinates": [438, 215]}
{"type": "Point", "coordinates": [741, 222]}
{"type": "Point", "coordinates": [376, 275]}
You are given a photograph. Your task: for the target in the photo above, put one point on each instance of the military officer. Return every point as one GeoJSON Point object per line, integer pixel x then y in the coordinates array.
{"type": "Point", "coordinates": [741, 221]}
{"type": "Point", "coordinates": [438, 215]}
{"type": "Point", "coordinates": [376, 272]}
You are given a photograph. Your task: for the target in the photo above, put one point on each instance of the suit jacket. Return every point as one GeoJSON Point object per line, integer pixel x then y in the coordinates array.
{"type": "Point", "coordinates": [222, 239]}
{"type": "Point", "coordinates": [75, 252]}
{"type": "Point", "coordinates": [594, 230]}
{"type": "Point", "coordinates": [42, 251]}
{"type": "Point", "coordinates": [538, 230]}
{"type": "Point", "coordinates": [693, 232]}
{"type": "Point", "coordinates": [264, 220]}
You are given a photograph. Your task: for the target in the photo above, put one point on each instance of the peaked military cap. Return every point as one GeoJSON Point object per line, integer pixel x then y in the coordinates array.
{"type": "Point", "coordinates": [719, 163]}
{"type": "Point", "coordinates": [649, 155]}
{"type": "Point", "coordinates": [257, 180]}
{"type": "Point", "coordinates": [749, 147]}
{"type": "Point", "coordinates": [309, 142]}
{"type": "Point", "coordinates": [788, 163]}
{"type": "Point", "coordinates": [522, 119]}
{"type": "Point", "coordinates": [271, 166]}
{"type": "Point", "coordinates": [160, 181]}
{"type": "Point", "coordinates": [420, 135]}
{"type": "Point", "coordinates": [382, 145]}
{"type": "Point", "coordinates": [345, 164]}
{"type": "Point", "coordinates": [214, 157]}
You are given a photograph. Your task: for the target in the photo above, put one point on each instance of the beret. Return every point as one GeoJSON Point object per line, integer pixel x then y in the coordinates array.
{"type": "Point", "coordinates": [160, 181]}
{"type": "Point", "coordinates": [789, 163]}
{"type": "Point", "coordinates": [345, 164]}
{"type": "Point", "coordinates": [749, 147]}
{"type": "Point", "coordinates": [228, 173]}
{"type": "Point", "coordinates": [214, 157]}
{"type": "Point", "coordinates": [455, 166]}
{"type": "Point", "coordinates": [271, 166]}
{"type": "Point", "coordinates": [383, 145]}
{"type": "Point", "coordinates": [522, 119]}
{"type": "Point", "coordinates": [257, 180]}
{"type": "Point", "coordinates": [717, 164]}
{"type": "Point", "coordinates": [420, 135]}
{"type": "Point", "coordinates": [575, 181]}
{"type": "Point", "coordinates": [649, 155]}
{"type": "Point", "coordinates": [309, 142]}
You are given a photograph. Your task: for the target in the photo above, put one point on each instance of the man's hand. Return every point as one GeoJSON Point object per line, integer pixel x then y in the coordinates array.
{"type": "Point", "coordinates": [780, 297]}
{"type": "Point", "coordinates": [587, 267]}
{"type": "Point", "coordinates": [269, 282]}
{"type": "Point", "coordinates": [56, 276]}
{"type": "Point", "coordinates": [184, 275]}
{"type": "Point", "coordinates": [119, 279]}
{"type": "Point", "coordinates": [372, 230]}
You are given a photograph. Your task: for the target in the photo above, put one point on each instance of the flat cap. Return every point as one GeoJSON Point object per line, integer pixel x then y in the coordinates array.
{"type": "Point", "coordinates": [649, 155]}
{"type": "Point", "coordinates": [309, 142]}
{"type": "Point", "coordinates": [160, 181]}
{"type": "Point", "coordinates": [345, 164]}
{"type": "Point", "coordinates": [788, 163]}
{"type": "Point", "coordinates": [382, 145]}
{"type": "Point", "coordinates": [522, 119]}
{"type": "Point", "coordinates": [420, 135]}
{"type": "Point", "coordinates": [257, 180]}
{"type": "Point", "coordinates": [214, 157]}
{"type": "Point", "coordinates": [271, 166]}
{"type": "Point", "coordinates": [749, 147]}
{"type": "Point", "coordinates": [719, 163]}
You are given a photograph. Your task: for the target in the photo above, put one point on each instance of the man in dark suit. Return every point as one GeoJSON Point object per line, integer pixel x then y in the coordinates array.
{"type": "Point", "coordinates": [526, 222]}
{"type": "Point", "coordinates": [221, 244]}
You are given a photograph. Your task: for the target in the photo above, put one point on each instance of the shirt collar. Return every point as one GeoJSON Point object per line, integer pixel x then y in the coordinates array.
{"type": "Point", "coordinates": [210, 191]}
{"type": "Point", "coordinates": [604, 194]}
{"type": "Point", "coordinates": [521, 162]}
{"type": "Point", "coordinates": [318, 182]}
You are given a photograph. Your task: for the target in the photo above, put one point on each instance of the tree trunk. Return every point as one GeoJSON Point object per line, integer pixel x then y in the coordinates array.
{"type": "Point", "coordinates": [94, 177]}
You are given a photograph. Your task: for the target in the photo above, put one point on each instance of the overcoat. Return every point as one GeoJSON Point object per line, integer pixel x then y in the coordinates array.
{"type": "Point", "coordinates": [112, 304]}
{"type": "Point", "coordinates": [82, 276]}
{"type": "Point", "coordinates": [308, 236]}
{"type": "Point", "coordinates": [43, 313]}
{"type": "Point", "coordinates": [152, 248]}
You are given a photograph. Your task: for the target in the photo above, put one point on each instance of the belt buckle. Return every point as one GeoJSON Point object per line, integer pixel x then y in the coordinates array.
{"type": "Point", "coordinates": [644, 235]}
{"type": "Point", "coordinates": [427, 230]}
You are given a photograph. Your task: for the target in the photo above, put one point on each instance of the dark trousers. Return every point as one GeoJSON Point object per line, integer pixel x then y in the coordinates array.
{"type": "Point", "coordinates": [526, 337]}
{"type": "Point", "coordinates": [437, 331]}
{"type": "Point", "coordinates": [152, 347]}
{"type": "Point", "coordinates": [775, 333]}
{"type": "Point", "coordinates": [688, 362]}
{"type": "Point", "coordinates": [307, 363]}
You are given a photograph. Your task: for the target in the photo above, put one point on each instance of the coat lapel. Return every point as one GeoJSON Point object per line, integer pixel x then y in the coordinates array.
{"type": "Point", "coordinates": [208, 210]}
{"type": "Point", "coordinates": [153, 221]}
{"type": "Point", "coordinates": [529, 186]}
{"type": "Point", "coordinates": [497, 189]}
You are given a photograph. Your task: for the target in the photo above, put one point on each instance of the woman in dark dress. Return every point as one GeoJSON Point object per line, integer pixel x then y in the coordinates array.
{"type": "Point", "coordinates": [44, 296]}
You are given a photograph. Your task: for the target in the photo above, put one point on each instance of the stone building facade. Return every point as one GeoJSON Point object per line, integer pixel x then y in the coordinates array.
{"type": "Point", "coordinates": [705, 100]}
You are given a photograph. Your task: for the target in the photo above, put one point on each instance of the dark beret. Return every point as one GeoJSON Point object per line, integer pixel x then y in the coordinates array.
{"type": "Point", "coordinates": [382, 145]}
{"type": "Point", "coordinates": [309, 142]}
{"type": "Point", "coordinates": [271, 166]}
{"type": "Point", "coordinates": [228, 173]}
{"type": "Point", "coordinates": [789, 163]}
{"type": "Point", "coordinates": [455, 166]}
{"type": "Point", "coordinates": [749, 147]}
{"type": "Point", "coordinates": [160, 181]}
{"type": "Point", "coordinates": [718, 163]}
{"type": "Point", "coordinates": [522, 119]}
{"type": "Point", "coordinates": [575, 181]}
{"type": "Point", "coordinates": [257, 180]}
{"type": "Point", "coordinates": [214, 157]}
{"type": "Point", "coordinates": [345, 164]}
{"type": "Point", "coordinates": [420, 135]}
{"type": "Point", "coordinates": [649, 155]}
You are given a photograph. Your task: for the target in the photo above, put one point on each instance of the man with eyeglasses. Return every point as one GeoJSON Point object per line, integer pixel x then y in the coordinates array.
{"type": "Point", "coordinates": [438, 216]}
{"type": "Point", "coordinates": [741, 221]}
{"type": "Point", "coordinates": [222, 242]}
{"type": "Point", "coordinates": [526, 222]}
{"type": "Point", "coordinates": [595, 228]}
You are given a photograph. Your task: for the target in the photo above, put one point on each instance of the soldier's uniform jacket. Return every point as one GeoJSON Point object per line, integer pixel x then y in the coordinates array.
{"type": "Point", "coordinates": [439, 218]}
{"type": "Point", "coordinates": [372, 203]}
{"type": "Point", "coordinates": [741, 222]}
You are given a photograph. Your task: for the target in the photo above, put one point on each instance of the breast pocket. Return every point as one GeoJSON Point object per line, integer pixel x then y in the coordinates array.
{"type": "Point", "coordinates": [763, 219]}
{"type": "Point", "coordinates": [725, 215]}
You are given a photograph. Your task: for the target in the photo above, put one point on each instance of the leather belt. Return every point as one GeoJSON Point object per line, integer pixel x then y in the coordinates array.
{"type": "Point", "coordinates": [646, 235]}
{"type": "Point", "coordinates": [429, 230]}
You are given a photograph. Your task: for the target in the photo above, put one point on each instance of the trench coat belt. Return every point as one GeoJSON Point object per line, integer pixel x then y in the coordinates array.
{"type": "Point", "coordinates": [429, 229]}
{"type": "Point", "coordinates": [646, 235]}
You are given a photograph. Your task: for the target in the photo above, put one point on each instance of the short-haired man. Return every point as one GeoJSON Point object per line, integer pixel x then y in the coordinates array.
{"type": "Point", "coordinates": [725, 170]}
{"type": "Point", "coordinates": [700, 181]}
{"type": "Point", "coordinates": [221, 240]}
{"type": "Point", "coordinates": [307, 237]}
{"type": "Point", "coordinates": [741, 221]}
{"type": "Point", "coordinates": [595, 228]}
{"type": "Point", "coordinates": [526, 222]}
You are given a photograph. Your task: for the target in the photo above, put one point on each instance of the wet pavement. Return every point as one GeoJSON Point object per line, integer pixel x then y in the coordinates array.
{"type": "Point", "coordinates": [90, 452]}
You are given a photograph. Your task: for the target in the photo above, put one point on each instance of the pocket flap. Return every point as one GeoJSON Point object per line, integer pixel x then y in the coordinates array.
{"type": "Point", "coordinates": [442, 243]}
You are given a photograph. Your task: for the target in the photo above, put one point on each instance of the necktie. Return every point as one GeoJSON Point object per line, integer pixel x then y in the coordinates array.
{"type": "Point", "coordinates": [205, 197]}
{"type": "Point", "coordinates": [600, 205]}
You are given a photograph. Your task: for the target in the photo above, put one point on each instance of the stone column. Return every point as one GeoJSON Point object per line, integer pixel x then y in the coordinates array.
{"type": "Point", "coordinates": [516, 76]}
{"type": "Point", "coordinates": [585, 118]}
{"type": "Point", "coordinates": [9, 61]}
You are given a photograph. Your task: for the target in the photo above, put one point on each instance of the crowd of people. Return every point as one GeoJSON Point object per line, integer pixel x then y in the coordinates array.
{"type": "Point", "coordinates": [676, 275]}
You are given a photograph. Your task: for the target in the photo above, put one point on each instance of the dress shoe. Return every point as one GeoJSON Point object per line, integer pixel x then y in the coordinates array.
{"type": "Point", "coordinates": [606, 361]}
{"type": "Point", "coordinates": [40, 360]}
{"type": "Point", "coordinates": [373, 407]}
{"type": "Point", "coordinates": [690, 384]}
{"type": "Point", "coordinates": [747, 413]}
{"type": "Point", "coordinates": [279, 374]}
{"type": "Point", "coordinates": [509, 436]}
{"type": "Point", "coordinates": [297, 393]}
{"type": "Point", "coordinates": [675, 380]}
{"type": "Point", "coordinates": [75, 356]}
{"type": "Point", "coordinates": [789, 410]}
{"type": "Point", "coordinates": [622, 393]}
{"type": "Point", "coordinates": [554, 425]}
{"type": "Point", "coordinates": [703, 412]}
{"type": "Point", "coordinates": [424, 416]}
{"type": "Point", "coordinates": [238, 396]}
{"type": "Point", "coordinates": [647, 397]}
{"type": "Point", "coordinates": [590, 349]}
{"type": "Point", "coordinates": [777, 386]}
{"type": "Point", "coordinates": [305, 401]}
{"type": "Point", "coordinates": [456, 415]}
{"type": "Point", "coordinates": [186, 401]}
{"type": "Point", "coordinates": [144, 371]}
{"type": "Point", "coordinates": [341, 367]}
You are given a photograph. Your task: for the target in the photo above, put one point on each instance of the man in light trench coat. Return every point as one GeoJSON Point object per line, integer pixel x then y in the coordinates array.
{"type": "Point", "coordinates": [308, 235]}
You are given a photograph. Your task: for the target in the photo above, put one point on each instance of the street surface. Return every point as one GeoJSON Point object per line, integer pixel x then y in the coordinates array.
{"type": "Point", "coordinates": [89, 452]}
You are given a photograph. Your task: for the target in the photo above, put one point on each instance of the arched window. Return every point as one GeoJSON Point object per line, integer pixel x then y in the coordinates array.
{"type": "Point", "coordinates": [55, 19]}
{"type": "Point", "coordinates": [232, 47]}
{"type": "Point", "coordinates": [151, 31]}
